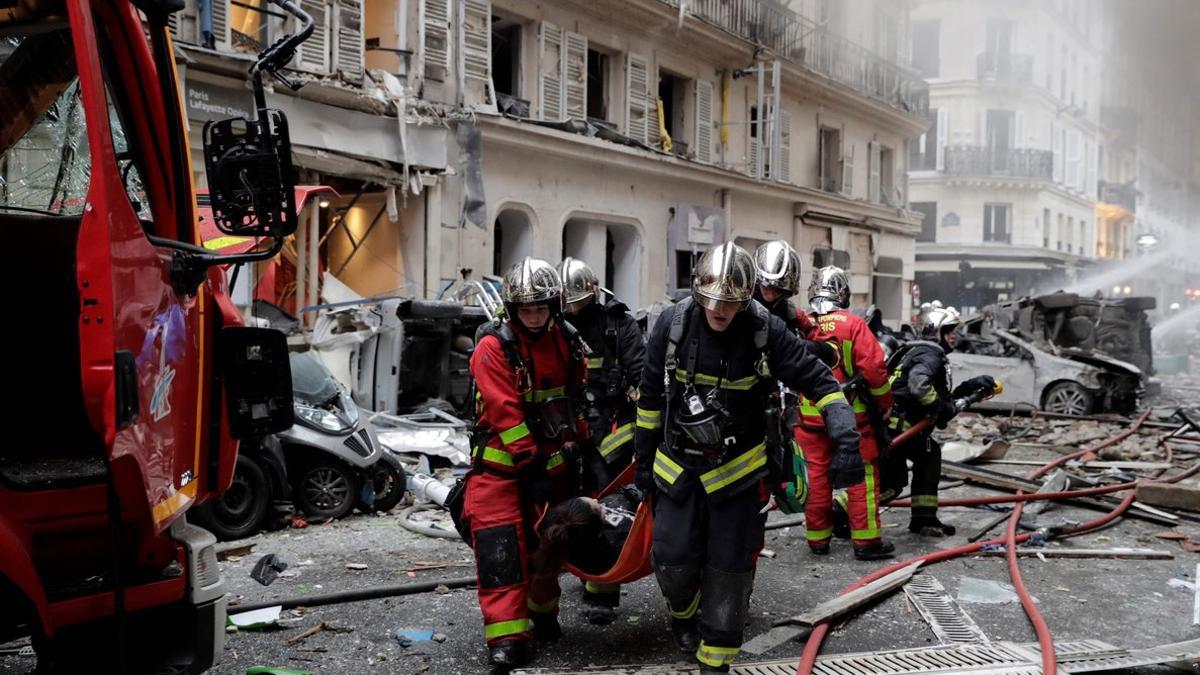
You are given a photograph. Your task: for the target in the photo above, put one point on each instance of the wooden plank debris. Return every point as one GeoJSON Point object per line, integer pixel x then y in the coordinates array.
{"type": "Point", "coordinates": [1185, 496]}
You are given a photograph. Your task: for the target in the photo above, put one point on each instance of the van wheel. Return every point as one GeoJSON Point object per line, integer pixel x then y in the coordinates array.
{"type": "Point", "coordinates": [326, 489]}
{"type": "Point", "coordinates": [241, 509]}
{"type": "Point", "coordinates": [389, 484]}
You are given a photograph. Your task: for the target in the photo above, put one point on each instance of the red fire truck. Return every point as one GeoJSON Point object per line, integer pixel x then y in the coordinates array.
{"type": "Point", "coordinates": [129, 375]}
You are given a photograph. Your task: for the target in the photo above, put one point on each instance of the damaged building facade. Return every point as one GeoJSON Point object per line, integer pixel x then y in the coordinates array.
{"type": "Point", "coordinates": [1059, 154]}
{"type": "Point", "coordinates": [464, 134]}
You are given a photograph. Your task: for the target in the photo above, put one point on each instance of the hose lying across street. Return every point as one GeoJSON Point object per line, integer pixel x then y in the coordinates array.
{"type": "Point", "coordinates": [1010, 540]}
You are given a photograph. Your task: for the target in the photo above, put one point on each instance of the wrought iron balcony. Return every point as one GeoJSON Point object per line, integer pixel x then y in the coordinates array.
{"type": "Point", "coordinates": [1121, 194]}
{"type": "Point", "coordinates": [967, 160]}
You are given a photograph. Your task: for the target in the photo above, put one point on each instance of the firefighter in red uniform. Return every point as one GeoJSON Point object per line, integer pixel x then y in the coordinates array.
{"type": "Point", "coordinates": [859, 353]}
{"type": "Point", "coordinates": [527, 369]}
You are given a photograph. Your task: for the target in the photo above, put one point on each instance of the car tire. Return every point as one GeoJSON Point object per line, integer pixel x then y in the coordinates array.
{"type": "Point", "coordinates": [389, 483]}
{"type": "Point", "coordinates": [238, 512]}
{"type": "Point", "coordinates": [326, 489]}
{"type": "Point", "coordinates": [1068, 398]}
{"type": "Point", "coordinates": [1058, 300]}
{"type": "Point", "coordinates": [431, 309]}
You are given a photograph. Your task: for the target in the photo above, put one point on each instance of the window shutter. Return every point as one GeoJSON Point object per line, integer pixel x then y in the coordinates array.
{"type": "Point", "coordinates": [943, 132]}
{"type": "Point", "coordinates": [1019, 133]}
{"type": "Point", "coordinates": [185, 24]}
{"type": "Point", "coordinates": [766, 138]}
{"type": "Point", "coordinates": [220, 11]}
{"type": "Point", "coordinates": [1092, 162]}
{"type": "Point", "coordinates": [704, 121]}
{"type": "Point", "coordinates": [873, 171]}
{"type": "Point", "coordinates": [754, 150]}
{"type": "Point", "coordinates": [637, 113]}
{"type": "Point", "coordinates": [1056, 146]}
{"type": "Point", "coordinates": [348, 45]}
{"type": "Point", "coordinates": [575, 72]}
{"type": "Point", "coordinates": [848, 171]}
{"type": "Point", "coordinates": [1073, 160]}
{"type": "Point", "coordinates": [550, 79]}
{"type": "Point", "coordinates": [477, 40]}
{"type": "Point", "coordinates": [435, 39]}
{"type": "Point", "coordinates": [784, 168]}
{"type": "Point", "coordinates": [312, 56]}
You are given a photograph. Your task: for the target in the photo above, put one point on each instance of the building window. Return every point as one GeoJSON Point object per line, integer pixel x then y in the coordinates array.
{"type": "Point", "coordinates": [922, 155]}
{"type": "Point", "coordinates": [1046, 229]}
{"type": "Point", "coordinates": [672, 95]}
{"type": "Point", "coordinates": [1000, 137]}
{"type": "Point", "coordinates": [506, 56]}
{"type": "Point", "coordinates": [887, 176]}
{"type": "Point", "coordinates": [926, 44]}
{"type": "Point", "coordinates": [999, 36]}
{"type": "Point", "coordinates": [1070, 235]}
{"type": "Point", "coordinates": [597, 85]}
{"type": "Point", "coordinates": [1061, 234]}
{"type": "Point", "coordinates": [928, 210]}
{"type": "Point", "coordinates": [829, 165]}
{"type": "Point", "coordinates": [997, 223]}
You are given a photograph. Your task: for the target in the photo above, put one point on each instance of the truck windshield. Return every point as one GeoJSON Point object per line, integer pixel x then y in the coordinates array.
{"type": "Point", "coordinates": [45, 163]}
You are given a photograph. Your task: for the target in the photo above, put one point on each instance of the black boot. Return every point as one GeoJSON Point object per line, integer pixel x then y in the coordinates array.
{"type": "Point", "coordinates": [819, 548]}
{"type": "Point", "coordinates": [545, 627]}
{"type": "Point", "coordinates": [930, 526]}
{"type": "Point", "coordinates": [599, 615]}
{"type": "Point", "coordinates": [687, 637]}
{"type": "Point", "coordinates": [713, 670]}
{"type": "Point", "coordinates": [510, 654]}
{"type": "Point", "coordinates": [880, 550]}
{"type": "Point", "coordinates": [841, 521]}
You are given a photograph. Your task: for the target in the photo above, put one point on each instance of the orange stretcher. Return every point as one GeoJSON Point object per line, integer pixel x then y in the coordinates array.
{"type": "Point", "coordinates": [634, 561]}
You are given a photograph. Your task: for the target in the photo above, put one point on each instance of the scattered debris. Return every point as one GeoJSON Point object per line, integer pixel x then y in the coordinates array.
{"type": "Point", "coordinates": [802, 624]}
{"type": "Point", "coordinates": [306, 634]}
{"type": "Point", "coordinates": [1111, 553]}
{"type": "Point", "coordinates": [299, 523]}
{"type": "Point", "coordinates": [439, 637]}
{"type": "Point", "coordinates": [25, 650]}
{"type": "Point", "coordinates": [407, 636]}
{"type": "Point", "coordinates": [1183, 495]}
{"type": "Point", "coordinates": [441, 589]}
{"type": "Point", "coordinates": [234, 553]}
{"type": "Point", "coordinates": [276, 670]}
{"type": "Point", "coordinates": [267, 569]}
{"type": "Point", "coordinates": [356, 566]}
{"type": "Point", "coordinates": [766, 553]}
{"type": "Point", "coordinates": [258, 619]}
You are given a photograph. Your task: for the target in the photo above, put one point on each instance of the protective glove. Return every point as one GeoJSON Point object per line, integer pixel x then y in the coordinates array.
{"type": "Point", "coordinates": [943, 412]}
{"type": "Point", "coordinates": [643, 479]}
{"type": "Point", "coordinates": [846, 466]}
{"type": "Point", "coordinates": [982, 383]}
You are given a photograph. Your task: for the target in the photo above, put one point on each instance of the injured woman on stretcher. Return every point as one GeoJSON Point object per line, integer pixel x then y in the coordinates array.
{"type": "Point", "coordinates": [588, 535]}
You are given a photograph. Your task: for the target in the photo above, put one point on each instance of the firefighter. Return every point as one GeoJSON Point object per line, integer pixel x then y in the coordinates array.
{"type": "Point", "coordinates": [711, 362]}
{"type": "Point", "coordinates": [527, 367]}
{"type": "Point", "coordinates": [614, 369]}
{"type": "Point", "coordinates": [922, 388]}
{"type": "Point", "coordinates": [860, 359]}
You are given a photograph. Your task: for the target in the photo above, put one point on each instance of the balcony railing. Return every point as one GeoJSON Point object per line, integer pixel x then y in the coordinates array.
{"type": "Point", "coordinates": [1005, 67]}
{"type": "Point", "coordinates": [814, 48]}
{"type": "Point", "coordinates": [1121, 194]}
{"type": "Point", "coordinates": [966, 160]}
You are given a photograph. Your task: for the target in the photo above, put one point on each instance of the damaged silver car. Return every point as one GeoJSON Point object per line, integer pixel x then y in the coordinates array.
{"type": "Point", "coordinates": [1070, 381]}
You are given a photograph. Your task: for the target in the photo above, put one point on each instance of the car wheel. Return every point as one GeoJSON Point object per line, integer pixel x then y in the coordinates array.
{"type": "Point", "coordinates": [389, 484]}
{"type": "Point", "coordinates": [1067, 398]}
{"type": "Point", "coordinates": [239, 511]}
{"type": "Point", "coordinates": [326, 489]}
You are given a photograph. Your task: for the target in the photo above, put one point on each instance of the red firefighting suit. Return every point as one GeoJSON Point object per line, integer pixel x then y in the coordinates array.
{"type": "Point", "coordinates": [517, 470]}
{"type": "Point", "coordinates": [859, 352]}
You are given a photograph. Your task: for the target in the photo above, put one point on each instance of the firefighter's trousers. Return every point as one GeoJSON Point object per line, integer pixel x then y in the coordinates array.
{"type": "Point", "coordinates": [926, 456]}
{"type": "Point", "coordinates": [704, 554]}
{"type": "Point", "coordinates": [511, 589]}
{"type": "Point", "coordinates": [863, 497]}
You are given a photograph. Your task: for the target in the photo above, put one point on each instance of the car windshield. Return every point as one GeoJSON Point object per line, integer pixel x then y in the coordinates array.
{"type": "Point", "coordinates": [311, 380]}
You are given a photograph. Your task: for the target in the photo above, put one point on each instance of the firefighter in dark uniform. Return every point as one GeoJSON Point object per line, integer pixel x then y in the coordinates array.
{"type": "Point", "coordinates": [921, 388]}
{"type": "Point", "coordinates": [711, 362]}
{"type": "Point", "coordinates": [527, 367]}
{"type": "Point", "coordinates": [614, 369]}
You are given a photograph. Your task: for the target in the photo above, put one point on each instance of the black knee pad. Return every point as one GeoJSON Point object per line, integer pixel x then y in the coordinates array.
{"type": "Point", "coordinates": [498, 556]}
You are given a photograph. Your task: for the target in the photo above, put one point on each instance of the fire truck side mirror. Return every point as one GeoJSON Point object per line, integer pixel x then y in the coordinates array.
{"type": "Point", "coordinates": [257, 377]}
{"type": "Point", "coordinates": [250, 177]}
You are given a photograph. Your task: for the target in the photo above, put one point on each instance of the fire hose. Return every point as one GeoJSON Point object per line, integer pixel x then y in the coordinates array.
{"type": "Point", "coordinates": [1010, 540]}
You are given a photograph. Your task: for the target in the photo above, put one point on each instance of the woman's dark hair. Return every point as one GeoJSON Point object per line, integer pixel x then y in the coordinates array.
{"type": "Point", "coordinates": [566, 516]}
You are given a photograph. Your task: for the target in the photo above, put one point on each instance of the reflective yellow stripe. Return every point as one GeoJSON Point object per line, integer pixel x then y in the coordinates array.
{"type": "Point", "coordinates": [848, 357]}
{"type": "Point", "coordinates": [555, 461]}
{"type": "Point", "coordinates": [620, 436]}
{"type": "Point", "coordinates": [881, 389]}
{"type": "Point", "coordinates": [666, 468]}
{"type": "Point", "coordinates": [872, 530]}
{"type": "Point", "coordinates": [742, 384]}
{"type": "Point", "coordinates": [539, 395]}
{"type": "Point", "coordinates": [505, 628]}
{"type": "Point", "coordinates": [830, 398]}
{"type": "Point", "coordinates": [716, 656]}
{"type": "Point", "coordinates": [594, 363]}
{"type": "Point", "coordinates": [498, 456]}
{"type": "Point", "coordinates": [690, 611]}
{"type": "Point", "coordinates": [809, 410]}
{"type": "Point", "coordinates": [925, 501]}
{"type": "Point", "coordinates": [734, 470]}
{"type": "Point", "coordinates": [819, 535]}
{"type": "Point", "coordinates": [842, 499]}
{"type": "Point", "coordinates": [928, 397]}
{"type": "Point", "coordinates": [510, 436]}
{"type": "Point", "coordinates": [649, 419]}
{"type": "Point", "coordinates": [601, 589]}
{"type": "Point", "coordinates": [542, 607]}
